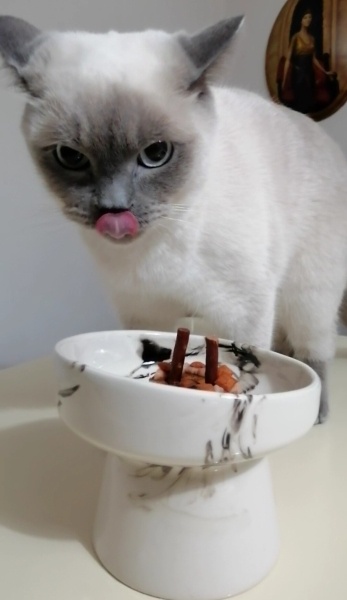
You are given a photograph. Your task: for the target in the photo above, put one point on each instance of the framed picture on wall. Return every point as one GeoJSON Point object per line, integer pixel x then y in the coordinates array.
{"type": "Point", "coordinates": [306, 57]}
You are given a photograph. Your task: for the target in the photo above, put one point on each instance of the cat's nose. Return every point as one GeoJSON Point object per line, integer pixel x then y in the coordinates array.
{"type": "Point", "coordinates": [99, 211]}
{"type": "Point", "coordinates": [113, 196]}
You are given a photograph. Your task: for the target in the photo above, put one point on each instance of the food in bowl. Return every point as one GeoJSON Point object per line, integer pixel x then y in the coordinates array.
{"type": "Point", "coordinates": [210, 376]}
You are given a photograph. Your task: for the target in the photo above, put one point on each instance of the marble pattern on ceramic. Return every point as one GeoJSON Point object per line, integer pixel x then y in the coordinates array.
{"type": "Point", "coordinates": [231, 447]}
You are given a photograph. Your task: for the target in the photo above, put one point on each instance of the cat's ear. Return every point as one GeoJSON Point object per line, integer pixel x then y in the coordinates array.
{"type": "Point", "coordinates": [204, 49]}
{"type": "Point", "coordinates": [18, 39]}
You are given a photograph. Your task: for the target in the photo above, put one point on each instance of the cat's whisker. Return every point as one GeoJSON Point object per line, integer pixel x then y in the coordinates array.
{"type": "Point", "coordinates": [189, 211]}
{"type": "Point", "coordinates": [179, 210]}
{"type": "Point", "coordinates": [173, 219]}
{"type": "Point", "coordinates": [180, 207]}
{"type": "Point", "coordinates": [179, 213]}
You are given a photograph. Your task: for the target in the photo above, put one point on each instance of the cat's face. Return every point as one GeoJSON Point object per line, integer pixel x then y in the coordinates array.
{"type": "Point", "coordinates": [104, 139]}
{"type": "Point", "coordinates": [116, 122]}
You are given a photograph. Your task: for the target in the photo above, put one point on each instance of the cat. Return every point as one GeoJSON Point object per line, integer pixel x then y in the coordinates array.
{"type": "Point", "coordinates": [195, 199]}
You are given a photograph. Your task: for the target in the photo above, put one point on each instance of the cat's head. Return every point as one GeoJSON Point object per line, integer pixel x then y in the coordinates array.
{"type": "Point", "coordinates": [116, 122]}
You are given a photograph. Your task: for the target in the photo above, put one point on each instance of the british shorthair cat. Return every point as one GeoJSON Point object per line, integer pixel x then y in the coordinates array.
{"type": "Point", "coordinates": [194, 199]}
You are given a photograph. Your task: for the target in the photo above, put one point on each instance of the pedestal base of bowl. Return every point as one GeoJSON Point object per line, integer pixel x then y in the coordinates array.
{"type": "Point", "coordinates": [201, 533]}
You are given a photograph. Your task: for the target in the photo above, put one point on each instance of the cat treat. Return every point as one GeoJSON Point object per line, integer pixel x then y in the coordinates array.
{"type": "Point", "coordinates": [179, 353]}
{"type": "Point", "coordinates": [195, 375]}
{"type": "Point", "coordinates": [211, 373]}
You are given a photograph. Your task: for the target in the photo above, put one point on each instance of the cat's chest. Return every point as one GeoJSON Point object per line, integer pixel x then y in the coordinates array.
{"type": "Point", "coordinates": [145, 266]}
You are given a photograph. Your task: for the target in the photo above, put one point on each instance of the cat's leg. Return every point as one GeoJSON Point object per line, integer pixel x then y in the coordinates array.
{"type": "Point", "coordinates": [280, 342]}
{"type": "Point", "coordinates": [343, 310]}
{"type": "Point", "coordinates": [310, 316]}
{"type": "Point", "coordinates": [249, 320]}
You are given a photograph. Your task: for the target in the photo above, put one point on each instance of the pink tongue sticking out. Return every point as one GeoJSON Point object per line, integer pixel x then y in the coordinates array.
{"type": "Point", "coordinates": [117, 225]}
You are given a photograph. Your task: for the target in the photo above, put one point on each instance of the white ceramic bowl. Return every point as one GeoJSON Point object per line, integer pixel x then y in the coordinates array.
{"type": "Point", "coordinates": [186, 509]}
{"type": "Point", "coordinates": [173, 426]}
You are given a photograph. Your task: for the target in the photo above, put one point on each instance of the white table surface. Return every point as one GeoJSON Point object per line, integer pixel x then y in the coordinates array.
{"type": "Point", "coordinates": [49, 482]}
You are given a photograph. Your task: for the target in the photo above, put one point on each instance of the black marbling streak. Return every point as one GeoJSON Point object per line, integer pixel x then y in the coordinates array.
{"type": "Point", "coordinates": [238, 414]}
{"type": "Point", "coordinates": [152, 352]}
{"type": "Point", "coordinates": [255, 425]}
{"type": "Point", "coordinates": [68, 391]}
{"type": "Point", "coordinates": [247, 454]}
{"type": "Point", "coordinates": [75, 364]}
{"type": "Point", "coordinates": [209, 453]}
{"type": "Point", "coordinates": [226, 440]}
{"type": "Point", "coordinates": [196, 351]}
{"type": "Point", "coordinates": [244, 355]}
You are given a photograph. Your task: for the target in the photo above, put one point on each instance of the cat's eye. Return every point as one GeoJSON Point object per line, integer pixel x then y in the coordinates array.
{"type": "Point", "coordinates": [156, 155]}
{"type": "Point", "coordinates": [69, 158]}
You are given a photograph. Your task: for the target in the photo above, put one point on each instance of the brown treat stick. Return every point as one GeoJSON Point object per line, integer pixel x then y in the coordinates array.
{"type": "Point", "coordinates": [178, 356]}
{"type": "Point", "coordinates": [211, 360]}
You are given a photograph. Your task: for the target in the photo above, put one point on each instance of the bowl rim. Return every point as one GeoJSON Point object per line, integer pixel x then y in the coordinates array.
{"type": "Point", "coordinates": [169, 390]}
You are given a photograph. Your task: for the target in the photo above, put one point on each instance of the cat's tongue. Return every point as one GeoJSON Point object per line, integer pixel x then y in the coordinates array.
{"type": "Point", "coordinates": [118, 225]}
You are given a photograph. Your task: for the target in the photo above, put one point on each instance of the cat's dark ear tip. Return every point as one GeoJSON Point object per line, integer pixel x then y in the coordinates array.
{"type": "Point", "coordinates": [7, 21]}
{"type": "Point", "coordinates": [17, 39]}
{"type": "Point", "coordinates": [236, 22]}
{"type": "Point", "coordinates": [239, 20]}
{"type": "Point", "coordinates": [4, 18]}
{"type": "Point", "coordinates": [11, 19]}
{"type": "Point", "coordinates": [16, 24]}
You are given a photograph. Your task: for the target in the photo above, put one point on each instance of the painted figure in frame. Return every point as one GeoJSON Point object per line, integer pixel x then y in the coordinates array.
{"type": "Point", "coordinates": [305, 81]}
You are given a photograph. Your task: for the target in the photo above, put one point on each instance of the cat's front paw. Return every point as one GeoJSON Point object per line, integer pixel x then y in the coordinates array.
{"type": "Point", "coordinates": [323, 414]}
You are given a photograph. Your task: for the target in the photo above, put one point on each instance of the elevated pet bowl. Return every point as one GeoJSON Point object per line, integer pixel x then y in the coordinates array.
{"type": "Point", "coordinates": [186, 509]}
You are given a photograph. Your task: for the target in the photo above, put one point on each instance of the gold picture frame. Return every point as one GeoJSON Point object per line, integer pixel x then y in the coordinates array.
{"type": "Point", "coordinates": [306, 57]}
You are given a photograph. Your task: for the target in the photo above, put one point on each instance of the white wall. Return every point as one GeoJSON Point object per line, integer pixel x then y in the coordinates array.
{"type": "Point", "coordinates": [48, 286]}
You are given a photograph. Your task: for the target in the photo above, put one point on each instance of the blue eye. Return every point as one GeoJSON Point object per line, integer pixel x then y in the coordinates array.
{"type": "Point", "coordinates": [69, 158]}
{"type": "Point", "coordinates": [156, 155]}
